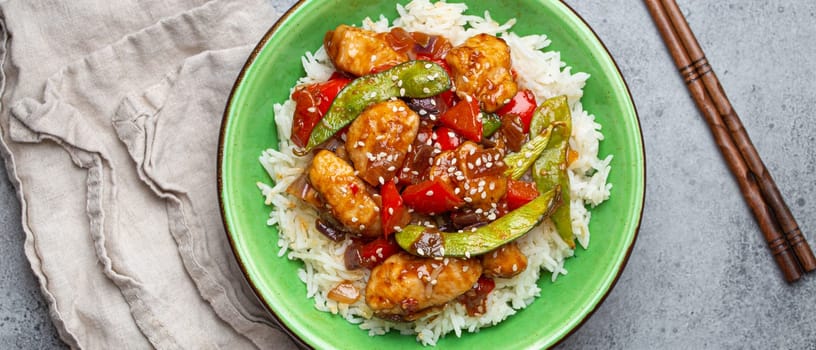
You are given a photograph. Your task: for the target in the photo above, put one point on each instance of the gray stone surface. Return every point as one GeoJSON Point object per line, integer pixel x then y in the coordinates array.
{"type": "Point", "coordinates": [699, 275]}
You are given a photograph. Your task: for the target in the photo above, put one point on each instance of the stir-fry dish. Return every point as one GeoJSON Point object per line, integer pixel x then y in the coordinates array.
{"type": "Point", "coordinates": [432, 161]}
{"type": "Point", "coordinates": [430, 172]}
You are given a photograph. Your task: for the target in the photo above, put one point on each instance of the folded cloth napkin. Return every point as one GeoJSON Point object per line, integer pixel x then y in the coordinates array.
{"type": "Point", "coordinates": [109, 120]}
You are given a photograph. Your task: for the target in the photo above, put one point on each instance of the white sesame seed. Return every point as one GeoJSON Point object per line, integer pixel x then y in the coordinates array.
{"type": "Point", "coordinates": [484, 195]}
{"type": "Point", "coordinates": [402, 91]}
{"type": "Point", "coordinates": [456, 190]}
{"type": "Point", "coordinates": [491, 186]}
{"type": "Point", "coordinates": [429, 193]}
{"type": "Point", "coordinates": [489, 165]}
{"type": "Point", "coordinates": [478, 211]}
{"type": "Point", "coordinates": [420, 251]}
{"type": "Point", "coordinates": [492, 216]}
{"type": "Point", "coordinates": [515, 267]}
{"type": "Point", "coordinates": [426, 90]}
{"type": "Point", "coordinates": [468, 199]}
{"type": "Point", "coordinates": [410, 147]}
{"type": "Point", "coordinates": [381, 180]}
{"type": "Point", "coordinates": [433, 102]}
{"type": "Point", "coordinates": [373, 58]}
{"type": "Point", "coordinates": [478, 161]}
{"type": "Point", "coordinates": [362, 227]}
{"type": "Point", "coordinates": [432, 116]}
{"type": "Point", "coordinates": [428, 65]}
{"type": "Point", "coordinates": [354, 219]}
{"type": "Point", "coordinates": [468, 98]}
{"type": "Point", "coordinates": [311, 109]}
{"type": "Point", "coordinates": [376, 209]}
{"type": "Point", "coordinates": [465, 268]}
{"type": "Point", "coordinates": [467, 255]}
{"type": "Point", "coordinates": [401, 109]}
{"type": "Point", "coordinates": [423, 112]}
{"type": "Point", "coordinates": [465, 79]}
{"type": "Point", "coordinates": [394, 78]}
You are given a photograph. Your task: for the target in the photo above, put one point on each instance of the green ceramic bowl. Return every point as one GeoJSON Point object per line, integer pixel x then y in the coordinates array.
{"type": "Point", "coordinates": [248, 128]}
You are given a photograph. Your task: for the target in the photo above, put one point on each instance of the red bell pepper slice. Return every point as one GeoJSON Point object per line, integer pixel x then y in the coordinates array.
{"type": "Point", "coordinates": [447, 138]}
{"type": "Point", "coordinates": [375, 252]}
{"type": "Point", "coordinates": [431, 196]}
{"type": "Point", "coordinates": [370, 254]}
{"type": "Point", "coordinates": [393, 211]}
{"type": "Point", "coordinates": [464, 117]}
{"type": "Point", "coordinates": [522, 104]}
{"type": "Point", "coordinates": [312, 102]}
{"type": "Point", "coordinates": [519, 193]}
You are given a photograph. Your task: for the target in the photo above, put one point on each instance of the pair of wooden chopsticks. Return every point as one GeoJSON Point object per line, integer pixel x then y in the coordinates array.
{"type": "Point", "coordinates": [785, 240]}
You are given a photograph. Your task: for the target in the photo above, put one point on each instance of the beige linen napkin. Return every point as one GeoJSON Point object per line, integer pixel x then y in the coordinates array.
{"type": "Point", "coordinates": [109, 114]}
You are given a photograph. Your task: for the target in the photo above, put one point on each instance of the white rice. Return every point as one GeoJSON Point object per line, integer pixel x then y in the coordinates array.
{"type": "Point", "coordinates": [539, 70]}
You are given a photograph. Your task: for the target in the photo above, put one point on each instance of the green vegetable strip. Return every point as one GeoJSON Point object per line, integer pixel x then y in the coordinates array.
{"type": "Point", "coordinates": [490, 124]}
{"type": "Point", "coordinates": [486, 238]}
{"type": "Point", "coordinates": [550, 169]}
{"type": "Point", "coordinates": [416, 79]}
{"type": "Point", "coordinates": [552, 109]}
{"type": "Point", "coordinates": [518, 163]}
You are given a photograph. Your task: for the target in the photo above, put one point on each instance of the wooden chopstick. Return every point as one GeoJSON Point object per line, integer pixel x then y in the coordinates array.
{"type": "Point", "coordinates": [766, 183]}
{"type": "Point", "coordinates": [779, 247]}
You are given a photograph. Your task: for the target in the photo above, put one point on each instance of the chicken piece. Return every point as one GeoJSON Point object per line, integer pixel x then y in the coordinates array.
{"type": "Point", "coordinates": [505, 262]}
{"type": "Point", "coordinates": [475, 161]}
{"type": "Point", "coordinates": [483, 191]}
{"type": "Point", "coordinates": [359, 51]}
{"type": "Point", "coordinates": [378, 140]}
{"type": "Point", "coordinates": [345, 194]}
{"type": "Point", "coordinates": [481, 69]}
{"type": "Point", "coordinates": [405, 285]}
{"type": "Point", "coordinates": [444, 168]}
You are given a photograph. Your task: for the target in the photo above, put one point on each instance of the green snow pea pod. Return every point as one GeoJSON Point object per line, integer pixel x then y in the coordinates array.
{"type": "Point", "coordinates": [423, 241]}
{"type": "Point", "coordinates": [552, 109]}
{"type": "Point", "coordinates": [416, 79]}
{"type": "Point", "coordinates": [550, 169]}
{"type": "Point", "coordinates": [518, 163]}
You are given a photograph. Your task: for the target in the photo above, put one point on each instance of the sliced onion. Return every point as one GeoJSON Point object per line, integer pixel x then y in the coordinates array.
{"type": "Point", "coordinates": [345, 293]}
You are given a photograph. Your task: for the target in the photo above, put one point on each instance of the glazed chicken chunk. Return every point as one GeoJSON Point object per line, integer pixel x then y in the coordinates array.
{"type": "Point", "coordinates": [405, 285]}
{"type": "Point", "coordinates": [481, 69]}
{"type": "Point", "coordinates": [505, 262]}
{"type": "Point", "coordinates": [345, 194]}
{"type": "Point", "coordinates": [359, 51]}
{"type": "Point", "coordinates": [379, 138]}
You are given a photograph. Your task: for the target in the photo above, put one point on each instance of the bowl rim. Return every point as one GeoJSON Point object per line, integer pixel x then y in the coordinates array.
{"type": "Point", "coordinates": [301, 343]}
